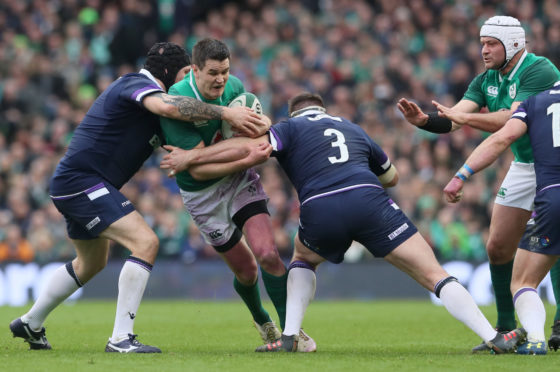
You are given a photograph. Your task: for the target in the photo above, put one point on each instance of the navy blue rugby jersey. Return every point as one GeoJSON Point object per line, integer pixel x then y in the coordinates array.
{"type": "Point", "coordinates": [541, 113]}
{"type": "Point", "coordinates": [114, 139]}
{"type": "Point", "coordinates": [322, 153]}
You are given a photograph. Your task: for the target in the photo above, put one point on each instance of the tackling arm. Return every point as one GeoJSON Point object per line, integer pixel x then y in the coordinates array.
{"type": "Point", "coordinates": [183, 108]}
{"type": "Point", "coordinates": [212, 161]}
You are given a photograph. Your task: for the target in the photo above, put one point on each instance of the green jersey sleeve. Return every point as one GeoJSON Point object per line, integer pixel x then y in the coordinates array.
{"type": "Point", "coordinates": [474, 92]}
{"type": "Point", "coordinates": [539, 77]}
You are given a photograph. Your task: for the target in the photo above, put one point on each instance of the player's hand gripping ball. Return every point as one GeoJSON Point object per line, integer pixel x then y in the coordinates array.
{"type": "Point", "coordinates": [244, 99]}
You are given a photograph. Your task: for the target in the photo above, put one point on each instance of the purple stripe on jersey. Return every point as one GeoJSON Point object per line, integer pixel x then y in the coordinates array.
{"type": "Point", "coordinates": [549, 187]}
{"type": "Point", "coordinates": [339, 191]}
{"type": "Point", "coordinates": [95, 188]}
{"type": "Point", "coordinates": [87, 191]}
{"type": "Point", "coordinates": [140, 91]}
{"type": "Point", "coordinates": [279, 145]}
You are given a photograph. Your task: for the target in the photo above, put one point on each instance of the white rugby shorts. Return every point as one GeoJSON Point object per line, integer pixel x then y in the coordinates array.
{"type": "Point", "coordinates": [518, 188]}
{"type": "Point", "coordinates": [212, 208]}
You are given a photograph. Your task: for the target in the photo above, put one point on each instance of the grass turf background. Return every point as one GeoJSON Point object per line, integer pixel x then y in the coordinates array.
{"type": "Point", "coordinates": [219, 336]}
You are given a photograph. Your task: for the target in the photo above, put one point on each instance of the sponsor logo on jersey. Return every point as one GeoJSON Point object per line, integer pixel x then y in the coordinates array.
{"type": "Point", "coordinates": [216, 234]}
{"type": "Point", "coordinates": [513, 90]}
{"type": "Point", "coordinates": [492, 91]}
{"type": "Point", "coordinates": [539, 241]}
{"type": "Point", "coordinates": [125, 203]}
{"type": "Point", "coordinates": [93, 222]}
{"type": "Point", "coordinates": [398, 231]}
{"type": "Point", "coordinates": [201, 123]}
{"type": "Point", "coordinates": [155, 141]}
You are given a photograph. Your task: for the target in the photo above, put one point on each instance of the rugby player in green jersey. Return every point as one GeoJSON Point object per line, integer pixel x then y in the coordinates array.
{"type": "Point", "coordinates": [512, 75]}
{"type": "Point", "coordinates": [226, 209]}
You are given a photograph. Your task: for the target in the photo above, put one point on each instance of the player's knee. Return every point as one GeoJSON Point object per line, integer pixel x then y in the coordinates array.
{"type": "Point", "coordinates": [499, 252]}
{"type": "Point", "coordinates": [247, 275]}
{"type": "Point", "coordinates": [146, 248]}
{"type": "Point", "coordinates": [269, 259]}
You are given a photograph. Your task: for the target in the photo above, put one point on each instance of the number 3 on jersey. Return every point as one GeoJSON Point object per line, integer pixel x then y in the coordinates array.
{"type": "Point", "coordinates": [339, 142]}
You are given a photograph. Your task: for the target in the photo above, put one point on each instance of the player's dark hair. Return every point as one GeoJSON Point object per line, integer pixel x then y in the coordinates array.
{"type": "Point", "coordinates": [207, 49]}
{"type": "Point", "coordinates": [165, 60]}
{"type": "Point", "coordinates": [303, 100]}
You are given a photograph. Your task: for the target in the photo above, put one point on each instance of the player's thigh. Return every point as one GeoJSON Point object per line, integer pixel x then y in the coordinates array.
{"type": "Point", "coordinates": [302, 253]}
{"type": "Point", "coordinates": [507, 227]}
{"type": "Point", "coordinates": [242, 262]}
{"type": "Point", "coordinates": [416, 258]}
{"type": "Point", "coordinates": [530, 268]}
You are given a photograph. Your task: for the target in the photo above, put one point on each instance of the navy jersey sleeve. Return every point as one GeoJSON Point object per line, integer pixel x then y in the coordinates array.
{"type": "Point", "coordinates": [137, 87]}
{"type": "Point", "coordinates": [280, 137]}
{"type": "Point", "coordinates": [522, 111]}
{"type": "Point", "coordinates": [379, 162]}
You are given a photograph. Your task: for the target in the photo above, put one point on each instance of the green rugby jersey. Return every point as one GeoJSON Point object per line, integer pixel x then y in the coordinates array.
{"type": "Point", "coordinates": [187, 135]}
{"type": "Point", "coordinates": [531, 75]}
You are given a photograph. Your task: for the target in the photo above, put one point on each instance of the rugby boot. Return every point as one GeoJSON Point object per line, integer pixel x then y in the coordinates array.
{"type": "Point", "coordinates": [35, 339]}
{"type": "Point", "coordinates": [532, 348]}
{"type": "Point", "coordinates": [554, 340]}
{"type": "Point", "coordinates": [287, 344]}
{"type": "Point", "coordinates": [507, 343]}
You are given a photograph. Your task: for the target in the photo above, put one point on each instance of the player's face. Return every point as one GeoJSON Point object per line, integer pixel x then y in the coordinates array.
{"type": "Point", "coordinates": [181, 73]}
{"type": "Point", "coordinates": [493, 53]}
{"type": "Point", "coordinates": [212, 78]}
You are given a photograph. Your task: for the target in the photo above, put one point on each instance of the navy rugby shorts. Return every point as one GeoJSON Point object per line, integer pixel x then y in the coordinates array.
{"type": "Point", "coordinates": [329, 224]}
{"type": "Point", "coordinates": [91, 211]}
{"type": "Point", "coordinates": [542, 234]}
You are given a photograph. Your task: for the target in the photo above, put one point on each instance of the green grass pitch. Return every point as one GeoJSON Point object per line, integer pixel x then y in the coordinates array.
{"type": "Point", "coordinates": [219, 336]}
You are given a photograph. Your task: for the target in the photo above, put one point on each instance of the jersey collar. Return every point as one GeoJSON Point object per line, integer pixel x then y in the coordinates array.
{"type": "Point", "coordinates": [150, 76]}
{"type": "Point", "coordinates": [309, 110]}
{"type": "Point", "coordinates": [517, 66]}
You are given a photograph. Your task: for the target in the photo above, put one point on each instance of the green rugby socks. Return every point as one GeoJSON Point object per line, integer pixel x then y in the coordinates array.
{"type": "Point", "coordinates": [252, 298]}
{"type": "Point", "coordinates": [501, 280]}
{"type": "Point", "coordinates": [276, 287]}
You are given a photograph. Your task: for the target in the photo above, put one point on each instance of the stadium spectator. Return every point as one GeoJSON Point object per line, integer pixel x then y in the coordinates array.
{"type": "Point", "coordinates": [14, 247]}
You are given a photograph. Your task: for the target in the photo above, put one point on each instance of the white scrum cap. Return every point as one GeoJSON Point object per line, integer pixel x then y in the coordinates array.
{"type": "Point", "coordinates": [508, 30]}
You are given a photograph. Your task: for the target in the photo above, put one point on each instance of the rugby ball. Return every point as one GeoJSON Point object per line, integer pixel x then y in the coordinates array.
{"type": "Point", "coordinates": [244, 99]}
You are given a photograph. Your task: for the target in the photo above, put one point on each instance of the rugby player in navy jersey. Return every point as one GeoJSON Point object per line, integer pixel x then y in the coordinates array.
{"type": "Point", "coordinates": [340, 174]}
{"type": "Point", "coordinates": [539, 116]}
{"type": "Point", "coordinates": [119, 132]}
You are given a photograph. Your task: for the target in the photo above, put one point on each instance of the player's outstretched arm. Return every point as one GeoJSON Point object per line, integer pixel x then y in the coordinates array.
{"type": "Point", "coordinates": [465, 113]}
{"type": "Point", "coordinates": [183, 108]}
{"type": "Point", "coordinates": [484, 155]}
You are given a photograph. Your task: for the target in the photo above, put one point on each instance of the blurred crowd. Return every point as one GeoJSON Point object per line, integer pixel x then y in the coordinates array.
{"type": "Point", "coordinates": [56, 56]}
